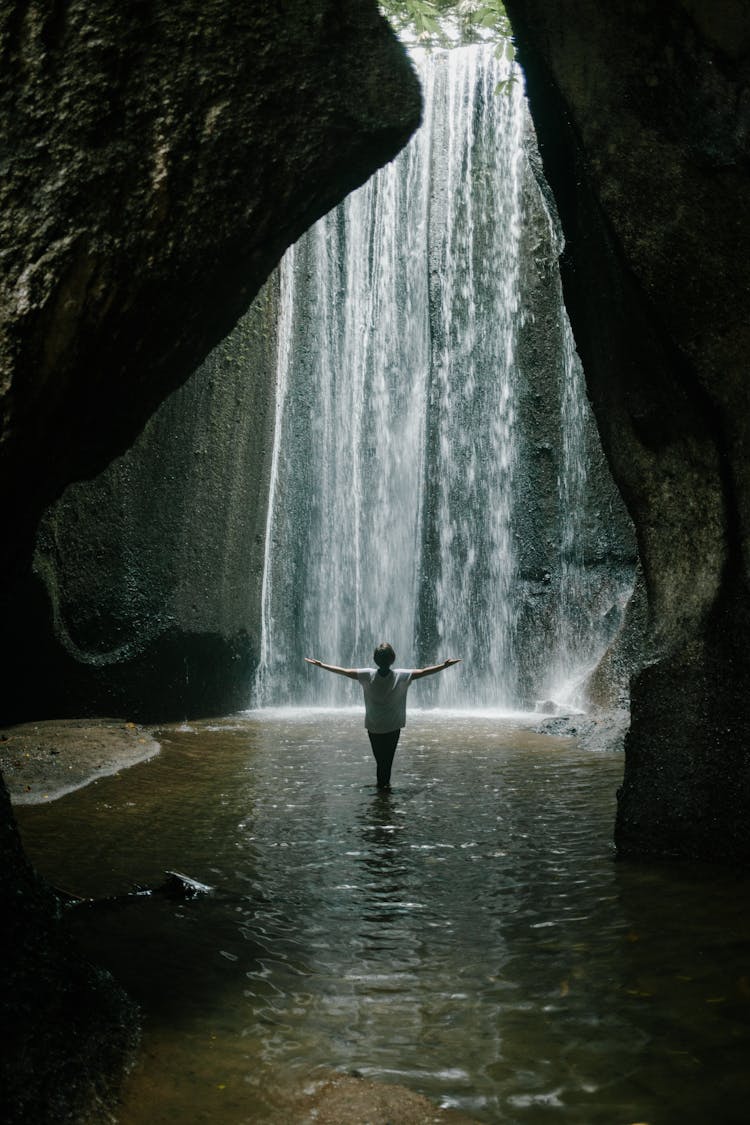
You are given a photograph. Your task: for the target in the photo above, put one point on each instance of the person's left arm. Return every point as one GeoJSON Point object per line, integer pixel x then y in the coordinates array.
{"type": "Point", "coordinates": [418, 673]}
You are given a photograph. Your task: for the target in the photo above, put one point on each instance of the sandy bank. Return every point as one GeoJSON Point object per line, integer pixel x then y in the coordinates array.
{"type": "Point", "coordinates": [45, 760]}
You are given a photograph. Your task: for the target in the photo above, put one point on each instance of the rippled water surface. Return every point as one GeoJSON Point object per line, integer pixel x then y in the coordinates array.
{"type": "Point", "coordinates": [469, 935]}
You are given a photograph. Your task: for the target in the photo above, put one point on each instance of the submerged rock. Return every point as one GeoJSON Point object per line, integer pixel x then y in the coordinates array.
{"type": "Point", "coordinates": [179, 886]}
{"type": "Point", "coordinates": [598, 731]}
{"type": "Point", "coordinates": [344, 1099]}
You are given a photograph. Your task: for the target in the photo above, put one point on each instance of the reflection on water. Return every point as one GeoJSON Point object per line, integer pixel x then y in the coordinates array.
{"type": "Point", "coordinates": [468, 935]}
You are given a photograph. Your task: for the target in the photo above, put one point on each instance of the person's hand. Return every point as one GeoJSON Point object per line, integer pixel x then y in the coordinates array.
{"type": "Point", "coordinates": [450, 661]}
{"type": "Point", "coordinates": [311, 660]}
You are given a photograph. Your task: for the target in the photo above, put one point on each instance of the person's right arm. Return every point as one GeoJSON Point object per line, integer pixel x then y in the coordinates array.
{"type": "Point", "coordinates": [350, 672]}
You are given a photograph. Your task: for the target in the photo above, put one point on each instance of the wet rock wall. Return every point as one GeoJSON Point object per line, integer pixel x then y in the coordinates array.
{"type": "Point", "coordinates": [642, 115]}
{"type": "Point", "coordinates": [144, 593]}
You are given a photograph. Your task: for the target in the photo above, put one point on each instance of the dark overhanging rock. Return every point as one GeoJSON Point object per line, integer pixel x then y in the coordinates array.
{"type": "Point", "coordinates": [643, 116]}
{"type": "Point", "coordinates": [159, 158]}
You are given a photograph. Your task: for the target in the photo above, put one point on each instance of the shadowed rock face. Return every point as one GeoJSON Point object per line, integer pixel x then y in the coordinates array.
{"type": "Point", "coordinates": [643, 114]}
{"type": "Point", "coordinates": [144, 596]}
{"type": "Point", "coordinates": [157, 160]}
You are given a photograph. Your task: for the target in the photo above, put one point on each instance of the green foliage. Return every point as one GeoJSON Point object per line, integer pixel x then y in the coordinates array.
{"type": "Point", "coordinates": [441, 22]}
{"type": "Point", "coordinates": [420, 18]}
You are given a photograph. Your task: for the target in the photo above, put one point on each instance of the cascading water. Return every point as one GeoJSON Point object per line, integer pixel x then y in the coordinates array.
{"type": "Point", "coordinates": [573, 623]}
{"type": "Point", "coordinates": [342, 557]}
{"type": "Point", "coordinates": [474, 257]}
{"type": "Point", "coordinates": [394, 509]}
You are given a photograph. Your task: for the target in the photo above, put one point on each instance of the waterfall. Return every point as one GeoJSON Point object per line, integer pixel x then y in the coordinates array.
{"type": "Point", "coordinates": [394, 504]}
{"type": "Point", "coordinates": [474, 275]}
{"type": "Point", "coordinates": [573, 619]}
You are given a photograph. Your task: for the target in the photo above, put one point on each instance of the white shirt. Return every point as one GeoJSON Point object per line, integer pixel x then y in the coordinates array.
{"type": "Point", "coordinates": [385, 698]}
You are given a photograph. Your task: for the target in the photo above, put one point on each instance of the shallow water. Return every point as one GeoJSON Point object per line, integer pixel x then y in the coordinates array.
{"type": "Point", "coordinates": [469, 935]}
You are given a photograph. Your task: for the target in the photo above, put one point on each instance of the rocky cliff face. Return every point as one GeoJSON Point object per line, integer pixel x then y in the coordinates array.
{"type": "Point", "coordinates": [643, 114]}
{"type": "Point", "coordinates": [577, 556]}
{"type": "Point", "coordinates": [143, 599]}
{"type": "Point", "coordinates": [158, 159]}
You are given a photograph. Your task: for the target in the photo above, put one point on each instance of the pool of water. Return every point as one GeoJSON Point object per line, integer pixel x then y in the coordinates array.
{"type": "Point", "coordinates": [469, 935]}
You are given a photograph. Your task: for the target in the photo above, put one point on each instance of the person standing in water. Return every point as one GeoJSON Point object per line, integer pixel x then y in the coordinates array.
{"type": "Point", "coordinates": [385, 691]}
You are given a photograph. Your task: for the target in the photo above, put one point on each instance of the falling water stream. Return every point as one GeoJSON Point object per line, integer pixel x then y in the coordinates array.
{"type": "Point", "coordinates": [400, 493]}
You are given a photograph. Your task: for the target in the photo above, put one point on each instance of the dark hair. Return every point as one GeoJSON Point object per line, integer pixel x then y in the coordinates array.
{"type": "Point", "coordinates": [384, 657]}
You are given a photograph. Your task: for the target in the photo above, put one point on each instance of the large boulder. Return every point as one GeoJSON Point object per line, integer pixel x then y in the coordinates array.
{"type": "Point", "coordinates": [158, 159]}
{"type": "Point", "coordinates": [643, 116]}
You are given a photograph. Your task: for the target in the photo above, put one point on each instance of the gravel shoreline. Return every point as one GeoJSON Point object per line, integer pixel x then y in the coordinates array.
{"type": "Point", "coordinates": [43, 761]}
